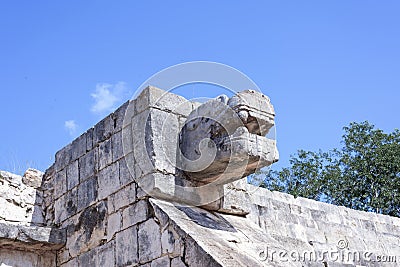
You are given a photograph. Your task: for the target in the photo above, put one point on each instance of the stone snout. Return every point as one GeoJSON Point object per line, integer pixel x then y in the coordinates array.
{"type": "Point", "coordinates": [224, 140]}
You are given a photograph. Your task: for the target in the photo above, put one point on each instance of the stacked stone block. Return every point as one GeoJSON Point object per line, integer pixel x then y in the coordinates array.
{"type": "Point", "coordinates": [24, 238]}
{"type": "Point", "coordinates": [97, 206]}
{"type": "Point", "coordinates": [108, 218]}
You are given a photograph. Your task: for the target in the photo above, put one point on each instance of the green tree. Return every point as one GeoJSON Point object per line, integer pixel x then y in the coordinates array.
{"type": "Point", "coordinates": [364, 174]}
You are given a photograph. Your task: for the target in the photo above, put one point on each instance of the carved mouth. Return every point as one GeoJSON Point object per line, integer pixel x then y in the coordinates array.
{"type": "Point", "coordinates": [244, 152]}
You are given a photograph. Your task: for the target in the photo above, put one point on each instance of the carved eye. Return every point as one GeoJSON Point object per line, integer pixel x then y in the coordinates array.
{"type": "Point", "coordinates": [191, 125]}
{"type": "Point", "coordinates": [223, 98]}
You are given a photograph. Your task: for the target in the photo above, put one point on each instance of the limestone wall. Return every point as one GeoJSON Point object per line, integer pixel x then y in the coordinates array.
{"type": "Point", "coordinates": [283, 231]}
{"type": "Point", "coordinates": [26, 258]}
{"type": "Point", "coordinates": [321, 226]}
{"type": "Point", "coordinates": [24, 241]}
{"type": "Point", "coordinates": [91, 192]}
{"type": "Point", "coordinates": [19, 200]}
{"type": "Point", "coordinates": [296, 229]}
{"type": "Point", "coordinates": [93, 210]}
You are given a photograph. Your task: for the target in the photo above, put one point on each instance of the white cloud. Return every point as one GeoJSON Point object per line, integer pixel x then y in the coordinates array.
{"type": "Point", "coordinates": [108, 96]}
{"type": "Point", "coordinates": [71, 127]}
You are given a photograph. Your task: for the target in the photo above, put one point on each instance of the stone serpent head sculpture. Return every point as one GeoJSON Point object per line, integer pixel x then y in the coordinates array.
{"type": "Point", "coordinates": [224, 139]}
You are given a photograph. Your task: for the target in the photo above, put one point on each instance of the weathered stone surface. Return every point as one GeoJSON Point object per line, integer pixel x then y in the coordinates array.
{"type": "Point", "coordinates": [118, 115]}
{"type": "Point", "coordinates": [60, 183]}
{"type": "Point", "coordinates": [88, 258]}
{"type": "Point", "coordinates": [13, 212]}
{"type": "Point", "coordinates": [135, 214]}
{"type": "Point", "coordinates": [106, 254]}
{"type": "Point", "coordinates": [177, 262]}
{"type": "Point", "coordinates": [13, 179]}
{"type": "Point", "coordinates": [108, 179]}
{"type": "Point", "coordinates": [89, 230]}
{"type": "Point", "coordinates": [32, 178]}
{"type": "Point", "coordinates": [155, 141]}
{"type": "Point", "coordinates": [63, 256]}
{"type": "Point", "coordinates": [66, 206]}
{"type": "Point", "coordinates": [113, 224]}
{"type": "Point", "coordinates": [103, 130]}
{"type": "Point", "coordinates": [20, 202]}
{"type": "Point", "coordinates": [161, 262]}
{"type": "Point", "coordinates": [224, 140]}
{"type": "Point", "coordinates": [196, 256]}
{"type": "Point", "coordinates": [149, 240]}
{"type": "Point", "coordinates": [78, 147]}
{"type": "Point", "coordinates": [126, 174]}
{"type": "Point", "coordinates": [235, 201]}
{"type": "Point", "coordinates": [139, 132]}
{"type": "Point", "coordinates": [63, 157]}
{"type": "Point", "coordinates": [31, 237]}
{"type": "Point", "coordinates": [87, 192]}
{"type": "Point", "coordinates": [72, 175]}
{"type": "Point", "coordinates": [171, 243]}
{"type": "Point", "coordinates": [157, 98]}
{"type": "Point", "coordinates": [89, 139]}
{"type": "Point", "coordinates": [127, 247]}
{"type": "Point", "coordinates": [117, 146]}
{"type": "Point", "coordinates": [124, 197]}
{"type": "Point", "coordinates": [127, 134]}
{"type": "Point", "coordinates": [26, 259]}
{"type": "Point", "coordinates": [71, 263]}
{"type": "Point", "coordinates": [215, 240]}
{"type": "Point", "coordinates": [105, 153]}
{"type": "Point", "coordinates": [160, 215]}
{"type": "Point", "coordinates": [88, 165]}
{"type": "Point", "coordinates": [91, 192]}
{"type": "Point", "coordinates": [254, 109]}
{"type": "Point", "coordinates": [163, 140]}
{"type": "Point", "coordinates": [47, 259]}
{"type": "Point", "coordinates": [159, 184]}
{"type": "Point", "coordinates": [48, 197]}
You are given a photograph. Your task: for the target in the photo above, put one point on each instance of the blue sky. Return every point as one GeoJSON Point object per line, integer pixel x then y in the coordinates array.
{"type": "Point", "coordinates": [323, 64]}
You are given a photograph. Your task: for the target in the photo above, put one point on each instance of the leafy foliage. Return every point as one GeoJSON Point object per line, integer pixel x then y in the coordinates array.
{"type": "Point", "coordinates": [364, 174]}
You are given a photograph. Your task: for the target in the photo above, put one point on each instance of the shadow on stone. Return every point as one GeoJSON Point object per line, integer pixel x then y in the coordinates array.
{"type": "Point", "coordinates": [207, 219]}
